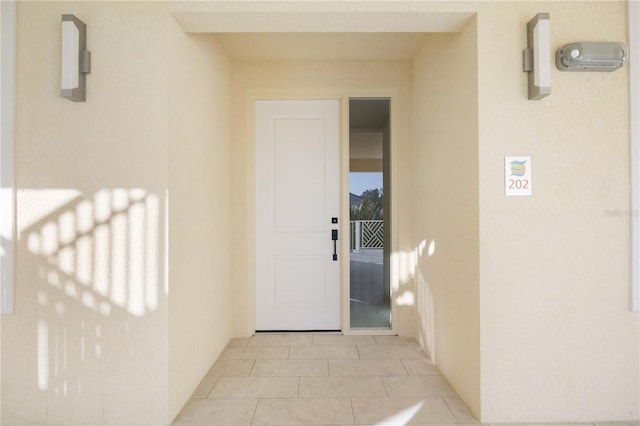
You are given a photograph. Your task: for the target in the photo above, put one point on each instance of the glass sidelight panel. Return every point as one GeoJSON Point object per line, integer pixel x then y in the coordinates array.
{"type": "Point", "coordinates": [369, 141]}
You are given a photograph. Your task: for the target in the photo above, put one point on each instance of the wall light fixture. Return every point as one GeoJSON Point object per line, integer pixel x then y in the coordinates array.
{"type": "Point", "coordinates": [591, 56]}
{"type": "Point", "coordinates": [76, 59]}
{"type": "Point", "coordinates": [537, 56]}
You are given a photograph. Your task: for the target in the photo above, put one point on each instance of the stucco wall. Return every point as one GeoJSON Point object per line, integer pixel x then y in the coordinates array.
{"type": "Point", "coordinates": [445, 207]}
{"type": "Point", "coordinates": [88, 341]}
{"type": "Point", "coordinates": [309, 79]}
{"type": "Point", "coordinates": [199, 210]}
{"type": "Point", "coordinates": [96, 337]}
{"type": "Point", "coordinates": [558, 341]}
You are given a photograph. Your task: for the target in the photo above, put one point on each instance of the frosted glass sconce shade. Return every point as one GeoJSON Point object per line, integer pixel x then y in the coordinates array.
{"type": "Point", "coordinates": [537, 56]}
{"type": "Point", "coordinates": [76, 59]}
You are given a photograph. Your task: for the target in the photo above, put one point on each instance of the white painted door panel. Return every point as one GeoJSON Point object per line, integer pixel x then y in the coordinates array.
{"type": "Point", "coordinates": [297, 193]}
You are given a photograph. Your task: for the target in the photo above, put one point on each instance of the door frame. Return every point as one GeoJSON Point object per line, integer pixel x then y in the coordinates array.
{"type": "Point", "coordinates": [343, 96]}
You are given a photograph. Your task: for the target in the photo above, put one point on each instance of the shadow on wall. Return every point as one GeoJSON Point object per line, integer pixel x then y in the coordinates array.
{"type": "Point", "coordinates": [88, 271]}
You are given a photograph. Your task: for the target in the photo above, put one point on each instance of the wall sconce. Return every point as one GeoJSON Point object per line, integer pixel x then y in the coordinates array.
{"type": "Point", "coordinates": [591, 56]}
{"type": "Point", "coordinates": [76, 59]}
{"type": "Point", "coordinates": [537, 56]}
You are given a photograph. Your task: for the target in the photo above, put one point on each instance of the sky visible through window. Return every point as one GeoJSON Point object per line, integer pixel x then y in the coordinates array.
{"type": "Point", "coordinates": [360, 182]}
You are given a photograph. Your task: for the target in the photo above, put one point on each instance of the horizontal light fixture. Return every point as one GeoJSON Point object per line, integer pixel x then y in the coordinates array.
{"type": "Point", "coordinates": [537, 56]}
{"type": "Point", "coordinates": [76, 59]}
{"type": "Point", "coordinates": [591, 56]}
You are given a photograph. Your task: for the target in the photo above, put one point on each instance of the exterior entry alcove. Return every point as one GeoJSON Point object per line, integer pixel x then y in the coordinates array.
{"type": "Point", "coordinates": [396, 64]}
{"type": "Point", "coordinates": [162, 138]}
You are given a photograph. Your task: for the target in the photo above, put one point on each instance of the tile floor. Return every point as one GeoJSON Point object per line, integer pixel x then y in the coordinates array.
{"type": "Point", "coordinates": [327, 379]}
{"type": "Point", "coordinates": [323, 379]}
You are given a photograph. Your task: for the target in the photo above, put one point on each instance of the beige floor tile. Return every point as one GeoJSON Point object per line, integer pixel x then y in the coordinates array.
{"type": "Point", "coordinates": [401, 411]}
{"type": "Point", "coordinates": [228, 412]}
{"type": "Point", "coordinates": [231, 368]}
{"type": "Point", "coordinates": [444, 424]}
{"type": "Point", "coordinates": [366, 367]}
{"type": "Point", "coordinates": [337, 387]}
{"type": "Point", "coordinates": [420, 367]}
{"type": "Point", "coordinates": [323, 379]}
{"type": "Point", "coordinates": [560, 424]}
{"type": "Point", "coordinates": [323, 352]}
{"type": "Point", "coordinates": [255, 387]}
{"type": "Point", "coordinates": [395, 340]}
{"type": "Point", "coordinates": [460, 409]}
{"type": "Point", "coordinates": [421, 386]}
{"type": "Point", "coordinates": [205, 386]}
{"type": "Point", "coordinates": [256, 352]}
{"type": "Point", "coordinates": [290, 367]}
{"type": "Point", "coordinates": [233, 343]}
{"type": "Point", "coordinates": [281, 339]}
{"type": "Point", "coordinates": [337, 340]}
{"type": "Point", "coordinates": [325, 411]}
{"type": "Point", "coordinates": [390, 351]}
{"type": "Point", "coordinates": [617, 424]}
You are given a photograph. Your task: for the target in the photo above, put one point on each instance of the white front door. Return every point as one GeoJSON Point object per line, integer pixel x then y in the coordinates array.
{"type": "Point", "coordinates": [297, 187]}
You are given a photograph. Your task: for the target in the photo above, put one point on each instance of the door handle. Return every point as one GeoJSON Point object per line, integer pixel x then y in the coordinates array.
{"type": "Point", "coordinates": [334, 237]}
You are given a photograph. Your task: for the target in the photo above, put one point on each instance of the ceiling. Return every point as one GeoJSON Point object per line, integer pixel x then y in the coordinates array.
{"type": "Point", "coordinates": [320, 30]}
{"type": "Point", "coordinates": [320, 46]}
{"type": "Point", "coordinates": [368, 114]}
{"type": "Point", "coordinates": [321, 17]}
{"type": "Point", "coordinates": [367, 119]}
{"type": "Point", "coordinates": [365, 146]}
